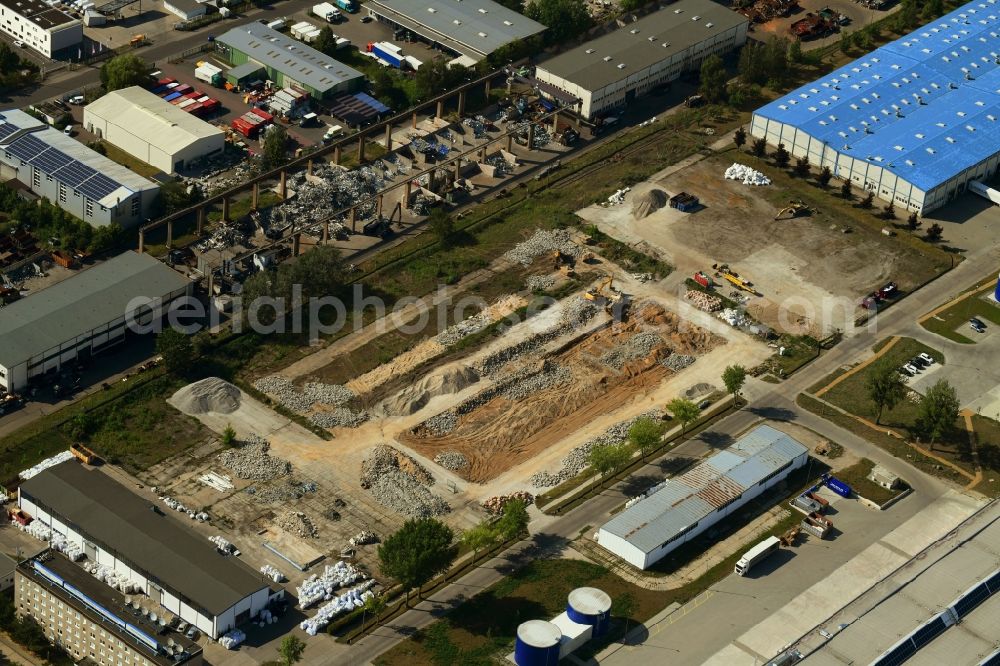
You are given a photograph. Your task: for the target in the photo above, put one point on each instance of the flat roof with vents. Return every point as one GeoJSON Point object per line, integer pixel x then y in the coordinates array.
{"type": "Point", "coordinates": [39, 13]}
{"type": "Point", "coordinates": [473, 28]}
{"type": "Point", "coordinates": [292, 58]}
{"type": "Point", "coordinates": [594, 64]}
{"type": "Point", "coordinates": [924, 107]}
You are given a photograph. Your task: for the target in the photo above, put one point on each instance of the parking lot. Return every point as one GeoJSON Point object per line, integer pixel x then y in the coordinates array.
{"type": "Point", "coordinates": [859, 16]}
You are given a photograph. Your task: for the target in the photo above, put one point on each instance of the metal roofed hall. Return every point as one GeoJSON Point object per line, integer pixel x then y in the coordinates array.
{"type": "Point", "coordinates": [643, 43]}
{"type": "Point", "coordinates": [474, 28]}
{"type": "Point", "coordinates": [681, 506]}
{"type": "Point", "coordinates": [156, 120]}
{"type": "Point", "coordinates": [120, 521]}
{"type": "Point", "coordinates": [292, 58]}
{"type": "Point", "coordinates": [77, 305]}
{"type": "Point", "coordinates": [924, 108]}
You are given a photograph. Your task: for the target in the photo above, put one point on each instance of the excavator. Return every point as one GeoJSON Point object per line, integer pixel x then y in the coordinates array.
{"type": "Point", "coordinates": [795, 208]}
{"type": "Point", "coordinates": [736, 280]}
{"type": "Point", "coordinates": [615, 302]}
{"type": "Point", "coordinates": [564, 263]}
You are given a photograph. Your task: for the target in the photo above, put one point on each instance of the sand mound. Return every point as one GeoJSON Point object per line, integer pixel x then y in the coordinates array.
{"type": "Point", "coordinates": [698, 390]}
{"type": "Point", "coordinates": [648, 202]}
{"type": "Point", "coordinates": [208, 395]}
{"type": "Point", "coordinates": [413, 398]}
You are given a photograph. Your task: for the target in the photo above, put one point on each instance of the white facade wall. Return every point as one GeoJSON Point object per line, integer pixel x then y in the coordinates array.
{"type": "Point", "coordinates": [618, 94]}
{"type": "Point", "coordinates": [45, 41]}
{"type": "Point", "coordinates": [643, 559]}
{"type": "Point", "coordinates": [186, 14]}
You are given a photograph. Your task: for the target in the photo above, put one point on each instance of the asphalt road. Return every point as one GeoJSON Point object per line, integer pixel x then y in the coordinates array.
{"type": "Point", "coordinates": [771, 401]}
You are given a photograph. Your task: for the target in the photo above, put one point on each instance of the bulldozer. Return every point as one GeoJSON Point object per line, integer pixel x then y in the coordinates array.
{"type": "Point", "coordinates": [795, 208]}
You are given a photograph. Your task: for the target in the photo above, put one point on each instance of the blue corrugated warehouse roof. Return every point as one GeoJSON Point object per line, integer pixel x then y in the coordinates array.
{"type": "Point", "coordinates": [924, 107]}
{"type": "Point", "coordinates": [690, 497]}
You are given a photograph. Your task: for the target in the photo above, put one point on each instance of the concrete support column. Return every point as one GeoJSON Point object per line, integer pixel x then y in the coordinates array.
{"type": "Point", "coordinates": [531, 136]}
{"type": "Point", "coordinates": [336, 155]}
{"type": "Point", "coordinates": [378, 208]}
{"type": "Point", "coordinates": [309, 167]}
{"type": "Point", "coordinates": [414, 120]}
{"type": "Point", "coordinates": [361, 148]}
{"type": "Point", "coordinates": [510, 142]}
{"type": "Point", "coordinates": [326, 232]}
{"type": "Point", "coordinates": [388, 138]}
{"type": "Point", "coordinates": [296, 238]}
{"type": "Point", "coordinates": [282, 185]}
{"type": "Point", "coordinates": [555, 122]}
{"type": "Point", "coordinates": [458, 168]}
{"type": "Point", "coordinates": [482, 153]}
{"type": "Point", "coordinates": [225, 208]}
{"type": "Point", "coordinates": [255, 195]}
{"type": "Point", "coordinates": [461, 102]}
{"type": "Point", "coordinates": [142, 241]}
{"type": "Point", "coordinates": [406, 195]}
{"type": "Point", "coordinates": [440, 108]}
{"type": "Point", "coordinates": [211, 285]}
{"type": "Point", "coordinates": [488, 88]}
{"type": "Point", "coordinates": [354, 218]}
{"type": "Point", "coordinates": [201, 219]}
{"type": "Point", "coordinates": [170, 233]}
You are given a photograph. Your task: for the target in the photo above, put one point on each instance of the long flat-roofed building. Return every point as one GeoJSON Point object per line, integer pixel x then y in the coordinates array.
{"type": "Point", "coordinates": [82, 315]}
{"type": "Point", "coordinates": [609, 72]}
{"type": "Point", "coordinates": [152, 129]}
{"type": "Point", "coordinates": [176, 567]}
{"type": "Point", "coordinates": [92, 621]}
{"type": "Point", "coordinates": [687, 505]}
{"type": "Point", "coordinates": [289, 62]}
{"type": "Point", "coordinates": [470, 28]}
{"type": "Point", "coordinates": [40, 26]}
{"type": "Point", "coordinates": [79, 180]}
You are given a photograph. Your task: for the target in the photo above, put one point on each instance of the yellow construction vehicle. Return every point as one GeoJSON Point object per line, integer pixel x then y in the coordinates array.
{"type": "Point", "coordinates": [564, 263]}
{"type": "Point", "coordinates": [137, 40]}
{"type": "Point", "coordinates": [597, 294]}
{"type": "Point", "coordinates": [737, 281]}
{"type": "Point", "coordinates": [795, 208]}
{"type": "Point", "coordinates": [615, 302]}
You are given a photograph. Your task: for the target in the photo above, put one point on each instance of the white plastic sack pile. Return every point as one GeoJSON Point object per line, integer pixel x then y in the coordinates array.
{"type": "Point", "coordinates": [734, 318]}
{"type": "Point", "coordinates": [321, 588]}
{"type": "Point", "coordinates": [272, 573]}
{"type": "Point", "coordinates": [222, 544]}
{"type": "Point", "coordinates": [342, 604]}
{"type": "Point", "coordinates": [113, 578]}
{"type": "Point", "coordinates": [232, 640]}
{"type": "Point", "coordinates": [265, 618]}
{"type": "Point", "coordinates": [45, 464]}
{"type": "Point", "coordinates": [747, 175]}
{"type": "Point", "coordinates": [56, 541]}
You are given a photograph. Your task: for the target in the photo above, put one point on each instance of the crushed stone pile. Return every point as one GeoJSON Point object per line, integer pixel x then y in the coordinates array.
{"type": "Point", "coordinates": [442, 424]}
{"type": "Point", "coordinates": [415, 397]}
{"type": "Point", "coordinates": [677, 362]}
{"type": "Point", "coordinates": [698, 390]}
{"type": "Point", "coordinates": [285, 491]}
{"type": "Point", "coordinates": [298, 524]}
{"type": "Point", "coordinates": [341, 417]}
{"type": "Point", "coordinates": [703, 301]}
{"type": "Point", "coordinates": [328, 394]}
{"type": "Point", "coordinates": [746, 175]}
{"type": "Point", "coordinates": [648, 202]}
{"type": "Point", "coordinates": [540, 282]}
{"type": "Point", "coordinates": [385, 458]}
{"type": "Point", "coordinates": [555, 375]}
{"type": "Point", "coordinates": [451, 460]}
{"type": "Point", "coordinates": [638, 346]}
{"type": "Point", "coordinates": [284, 391]}
{"type": "Point", "coordinates": [208, 395]}
{"type": "Point", "coordinates": [543, 242]}
{"type": "Point", "coordinates": [403, 494]}
{"type": "Point", "coordinates": [252, 460]}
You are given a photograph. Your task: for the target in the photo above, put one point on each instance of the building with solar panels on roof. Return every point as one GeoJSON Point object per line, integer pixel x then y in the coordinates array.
{"type": "Point", "coordinates": [41, 26]}
{"type": "Point", "coordinates": [79, 180]}
{"type": "Point", "coordinates": [913, 122]}
{"type": "Point", "coordinates": [685, 506]}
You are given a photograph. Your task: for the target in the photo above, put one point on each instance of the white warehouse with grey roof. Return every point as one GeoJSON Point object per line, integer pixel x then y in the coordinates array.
{"type": "Point", "coordinates": [609, 72]}
{"type": "Point", "coordinates": [471, 28]}
{"type": "Point", "coordinates": [687, 505]}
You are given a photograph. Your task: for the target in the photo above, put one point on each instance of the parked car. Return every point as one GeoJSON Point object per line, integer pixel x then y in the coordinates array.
{"type": "Point", "coordinates": [76, 99]}
{"type": "Point", "coordinates": [19, 44]}
{"type": "Point", "coordinates": [704, 404]}
{"type": "Point", "coordinates": [977, 325]}
{"type": "Point", "coordinates": [905, 371]}
{"type": "Point", "coordinates": [68, 130]}
{"type": "Point", "coordinates": [919, 362]}
{"type": "Point", "coordinates": [928, 359]}
{"type": "Point", "coordinates": [912, 368]}
{"type": "Point", "coordinates": [366, 18]}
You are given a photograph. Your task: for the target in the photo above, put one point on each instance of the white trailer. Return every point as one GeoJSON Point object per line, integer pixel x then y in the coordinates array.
{"type": "Point", "coordinates": [757, 554]}
{"type": "Point", "coordinates": [985, 191]}
{"type": "Point", "coordinates": [327, 12]}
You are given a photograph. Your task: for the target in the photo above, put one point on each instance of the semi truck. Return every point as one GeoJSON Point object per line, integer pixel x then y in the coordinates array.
{"type": "Point", "coordinates": [757, 554]}
{"type": "Point", "coordinates": [327, 12]}
{"type": "Point", "coordinates": [349, 6]}
{"type": "Point", "coordinates": [387, 53]}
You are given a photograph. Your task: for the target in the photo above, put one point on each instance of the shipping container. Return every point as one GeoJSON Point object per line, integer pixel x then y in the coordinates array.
{"type": "Point", "coordinates": [836, 485]}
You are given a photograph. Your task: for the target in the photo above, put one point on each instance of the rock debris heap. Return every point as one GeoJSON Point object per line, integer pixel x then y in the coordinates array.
{"type": "Point", "coordinates": [638, 346]}
{"type": "Point", "coordinates": [312, 394]}
{"type": "Point", "coordinates": [543, 242]}
{"type": "Point", "coordinates": [451, 460]}
{"type": "Point", "coordinates": [297, 523]}
{"type": "Point", "coordinates": [400, 483]}
{"type": "Point", "coordinates": [253, 462]}
{"type": "Point", "coordinates": [540, 282]}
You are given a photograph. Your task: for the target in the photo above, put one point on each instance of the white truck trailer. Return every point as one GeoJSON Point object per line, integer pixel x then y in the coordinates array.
{"type": "Point", "coordinates": [327, 12]}
{"type": "Point", "coordinates": [757, 554]}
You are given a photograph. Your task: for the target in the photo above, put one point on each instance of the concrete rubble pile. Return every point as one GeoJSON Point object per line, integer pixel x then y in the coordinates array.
{"type": "Point", "coordinates": [252, 460]}
{"type": "Point", "coordinates": [399, 483]}
{"type": "Point", "coordinates": [272, 573]}
{"type": "Point", "coordinates": [703, 301]}
{"type": "Point", "coordinates": [328, 394]}
{"type": "Point", "coordinates": [451, 460]}
{"type": "Point", "coordinates": [465, 328]}
{"type": "Point", "coordinates": [677, 362]}
{"type": "Point", "coordinates": [442, 424]}
{"type": "Point", "coordinates": [363, 538]}
{"type": "Point", "coordinates": [746, 175]}
{"type": "Point", "coordinates": [340, 417]}
{"type": "Point", "coordinates": [540, 282]}
{"type": "Point", "coordinates": [115, 579]}
{"type": "Point", "coordinates": [638, 346]}
{"type": "Point", "coordinates": [281, 492]}
{"type": "Point", "coordinates": [579, 458]}
{"type": "Point", "coordinates": [551, 375]}
{"type": "Point", "coordinates": [344, 603]}
{"type": "Point", "coordinates": [543, 242]}
{"type": "Point", "coordinates": [298, 524]}
{"type": "Point", "coordinates": [495, 505]}
{"type": "Point", "coordinates": [320, 587]}
{"type": "Point", "coordinates": [734, 318]}
{"type": "Point", "coordinates": [284, 391]}
{"type": "Point", "coordinates": [385, 458]}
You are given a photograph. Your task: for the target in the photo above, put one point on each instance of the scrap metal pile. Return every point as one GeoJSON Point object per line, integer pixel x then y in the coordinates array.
{"type": "Point", "coordinates": [501, 166]}
{"type": "Point", "coordinates": [541, 137]}
{"type": "Point", "coordinates": [477, 125]}
{"type": "Point", "coordinates": [338, 189]}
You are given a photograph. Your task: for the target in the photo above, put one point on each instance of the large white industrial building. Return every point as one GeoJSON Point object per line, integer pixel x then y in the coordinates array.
{"type": "Point", "coordinates": [609, 72]}
{"type": "Point", "coordinates": [913, 122]}
{"type": "Point", "coordinates": [175, 566]}
{"type": "Point", "coordinates": [82, 315]}
{"type": "Point", "coordinates": [151, 129]}
{"type": "Point", "coordinates": [40, 26]}
{"type": "Point", "coordinates": [687, 505]}
{"type": "Point", "coordinates": [71, 175]}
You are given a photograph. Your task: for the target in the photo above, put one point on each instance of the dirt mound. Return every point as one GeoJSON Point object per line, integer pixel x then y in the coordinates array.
{"type": "Point", "coordinates": [698, 390]}
{"type": "Point", "coordinates": [648, 202]}
{"type": "Point", "coordinates": [413, 398]}
{"type": "Point", "coordinates": [208, 395]}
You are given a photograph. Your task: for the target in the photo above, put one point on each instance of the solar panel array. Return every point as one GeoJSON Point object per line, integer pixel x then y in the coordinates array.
{"type": "Point", "coordinates": [93, 184]}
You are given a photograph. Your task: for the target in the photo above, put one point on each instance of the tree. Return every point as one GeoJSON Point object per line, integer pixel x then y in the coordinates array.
{"type": "Point", "coordinates": [938, 411]}
{"type": "Point", "coordinates": [845, 43]}
{"type": "Point", "coordinates": [177, 195]}
{"type": "Point", "coordinates": [734, 377]}
{"type": "Point", "coordinates": [259, 286]}
{"type": "Point", "coordinates": [912, 222]}
{"type": "Point", "coordinates": [565, 18]}
{"type": "Point", "coordinates": [884, 385]}
{"type": "Point", "coordinates": [382, 83]}
{"type": "Point", "coordinates": [374, 605]}
{"type": "Point", "coordinates": [684, 411]}
{"type": "Point", "coordinates": [740, 137]}
{"type": "Point", "coordinates": [609, 458]}
{"type": "Point", "coordinates": [176, 349]}
{"type": "Point", "coordinates": [776, 61]}
{"type": "Point", "coordinates": [320, 272]}
{"type": "Point", "coordinates": [274, 151]}
{"type": "Point", "coordinates": [751, 65]}
{"type": "Point", "coordinates": [845, 189]}
{"type": "Point", "coordinates": [758, 148]}
{"type": "Point", "coordinates": [781, 156]}
{"type": "Point", "coordinates": [713, 79]}
{"type": "Point", "coordinates": [801, 168]}
{"type": "Point", "coordinates": [436, 76]}
{"type": "Point", "coordinates": [645, 435]}
{"type": "Point", "coordinates": [513, 521]}
{"type": "Point", "coordinates": [795, 51]}
{"type": "Point", "coordinates": [291, 649]}
{"type": "Point", "coordinates": [631, 5]}
{"type": "Point", "coordinates": [907, 17]}
{"type": "Point", "coordinates": [824, 177]}
{"type": "Point", "coordinates": [229, 437]}
{"type": "Point", "coordinates": [934, 232]}
{"type": "Point", "coordinates": [125, 71]}
{"type": "Point", "coordinates": [624, 606]}
{"type": "Point", "coordinates": [421, 549]}
{"type": "Point", "coordinates": [889, 212]}
{"type": "Point", "coordinates": [867, 202]}
{"type": "Point", "coordinates": [932, 9]}
{"type": "Point", "coordinates": [479, 538]}
{"type": "Point", "coordinates": [324, 42]}
{"type": "Point", "coordinates": [442, 226]}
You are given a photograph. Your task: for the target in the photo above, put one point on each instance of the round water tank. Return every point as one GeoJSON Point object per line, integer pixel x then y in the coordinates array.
{"type": "Point", "coordinates": [537, 644]}
{"type": "Point", "coordinates": [996, 292]}
{"type": "Point", "coordinates": [588, 605]}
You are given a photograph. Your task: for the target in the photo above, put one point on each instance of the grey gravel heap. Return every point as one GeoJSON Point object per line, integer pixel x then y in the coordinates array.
{"type": "Point", "coordinates": [252, 460]}
{"type": "Point", "coordinates": [638, 346]}
{"type": "Point", "coordinates": [297, 523]}
{"type": "Point", "coordinates": [464, 328]}
{"type": "Point", "coordinates": [403, 494]}
{"type": "Point", "coordinates": [281, 492]}
{"type": "Point", "coordinates": [451, 460]}
{"type": "Point", "coordinates": [549, 377]}
{"type": "Point", "coordinates": [442, 424]}
{"type": "Point", "coordinates": [340, 417]}
{"type": "Point", "coordinates": [385, 458]}
{"type": "Point", "coordinates": [677, 362]}
{"type": "Point", "coordinates": [579, 458]}
{"type": "Point", "coordinates": [540, 282]}
{"type": "Point", "coordinates": [543, 242]}
{"type": "Point", "coordinates": [328, 394]}
{"type": "Point", "coordinates": [285, 392]}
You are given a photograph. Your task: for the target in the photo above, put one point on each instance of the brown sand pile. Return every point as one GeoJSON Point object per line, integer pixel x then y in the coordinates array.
{"type": "Point", "coordinates": [648, 202]}
{"type": "Point", "coordinates": [414, 397]}
{"type": "Point", "coordinates": [208, 395]}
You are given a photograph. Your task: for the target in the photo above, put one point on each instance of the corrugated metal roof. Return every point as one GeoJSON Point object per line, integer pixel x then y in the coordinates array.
{"type": "Point", "coordinates": [924, 107]}
{"type": "Point", "coordinates": [690, 497]}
